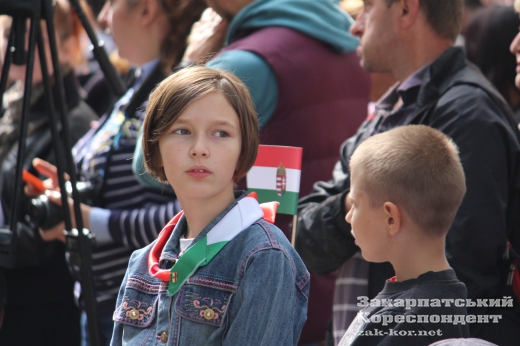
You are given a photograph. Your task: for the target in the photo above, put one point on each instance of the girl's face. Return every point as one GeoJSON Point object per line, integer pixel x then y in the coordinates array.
{"type": "Point", "coordinates": [200, 151]}
{"type": "Point", "coordinates": [121, 20]}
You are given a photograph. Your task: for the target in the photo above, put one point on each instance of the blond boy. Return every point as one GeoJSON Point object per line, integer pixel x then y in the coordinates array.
{"type": "Point", "coordinates": [406, 187]}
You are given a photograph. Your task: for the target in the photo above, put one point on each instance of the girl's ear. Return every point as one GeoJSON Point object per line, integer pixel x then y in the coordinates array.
{"type": "Point", "coordinates": [148, 12]}
{"type": "Point", "coordinates": [393, 218]}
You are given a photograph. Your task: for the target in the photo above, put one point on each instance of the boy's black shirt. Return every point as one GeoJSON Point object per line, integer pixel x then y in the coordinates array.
{"type": "Point", "coordinates": [368, 328]}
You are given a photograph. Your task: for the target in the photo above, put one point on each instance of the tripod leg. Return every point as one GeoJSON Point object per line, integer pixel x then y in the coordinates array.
{"type": "Point", "coordinates": [83, 242]}
{"type": "Point", "coordinates": [114, 80]}
{"type": "Point", "coordinates": [15, 212]}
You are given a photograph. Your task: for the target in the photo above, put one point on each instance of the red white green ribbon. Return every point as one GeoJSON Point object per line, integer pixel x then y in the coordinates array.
{"type": "Point", "coordinates": [240, 217]}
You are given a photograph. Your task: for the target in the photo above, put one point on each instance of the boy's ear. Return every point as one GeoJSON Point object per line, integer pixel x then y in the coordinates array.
{"type": "Point", "coordinates": [393, 218]}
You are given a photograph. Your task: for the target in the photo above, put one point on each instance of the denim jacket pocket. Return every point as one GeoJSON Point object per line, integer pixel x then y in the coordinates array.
{"type": "Point", "coordinates": [138, 307]}
{"type": "Point", "coordinates": [205, 299]}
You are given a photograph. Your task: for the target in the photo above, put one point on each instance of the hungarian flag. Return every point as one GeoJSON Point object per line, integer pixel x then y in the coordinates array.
{"type": "Point", "coordinates": [275, 176]}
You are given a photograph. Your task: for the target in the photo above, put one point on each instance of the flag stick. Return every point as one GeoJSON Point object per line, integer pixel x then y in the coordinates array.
{"type": "Point", "coordinates": [293, 235]}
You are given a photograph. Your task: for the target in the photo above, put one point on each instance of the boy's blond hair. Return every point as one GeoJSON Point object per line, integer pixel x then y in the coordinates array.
{"type": "Point", "coordinates": [417, 168]}
{"type": "Point", "coordinates": [517, 5]}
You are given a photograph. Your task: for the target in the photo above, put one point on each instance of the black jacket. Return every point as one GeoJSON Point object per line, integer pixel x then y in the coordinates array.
{"type": "Point", "coordinates": [455, 99]}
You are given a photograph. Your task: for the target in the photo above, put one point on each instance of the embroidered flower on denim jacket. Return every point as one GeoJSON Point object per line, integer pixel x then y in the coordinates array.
{"type": "Point", "coordinates": [205, 304]}
{"type": "Point", "coordinates": [136, 312]}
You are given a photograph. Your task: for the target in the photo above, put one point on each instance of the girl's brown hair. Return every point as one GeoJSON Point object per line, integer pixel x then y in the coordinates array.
{"type": "Point", "coordinates": [175, 93]}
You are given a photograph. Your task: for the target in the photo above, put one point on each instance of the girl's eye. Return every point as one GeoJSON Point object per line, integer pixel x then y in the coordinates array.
{"type": "Point", "coordinates": [181, 132]}
{"type": "Point", "coordinates": [221, 134]}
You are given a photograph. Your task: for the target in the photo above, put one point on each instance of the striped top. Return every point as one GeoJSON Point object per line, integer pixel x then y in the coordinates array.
{"type": "Point", "coordinates": [137, 213]}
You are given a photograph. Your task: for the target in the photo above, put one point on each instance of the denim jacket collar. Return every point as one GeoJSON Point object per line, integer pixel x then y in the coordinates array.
{"type": "Point", "coordinates": [171, 249]}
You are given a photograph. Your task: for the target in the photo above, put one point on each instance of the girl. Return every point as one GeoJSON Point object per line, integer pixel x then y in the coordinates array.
{"type": "Point", "coordinates": [218, 274]}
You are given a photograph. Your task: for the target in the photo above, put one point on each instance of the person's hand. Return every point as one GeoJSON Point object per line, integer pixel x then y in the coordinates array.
{"type": "Point", "coordinates": [55, 233]}
{"type": "Point", "coordinates": [53, 194]}
{"type": "Point", "coordinates": [58, 231]}
{"type": "Point", "coordinates": [48, 170]}
{"type": "Point", "coordinates": [206, 37]}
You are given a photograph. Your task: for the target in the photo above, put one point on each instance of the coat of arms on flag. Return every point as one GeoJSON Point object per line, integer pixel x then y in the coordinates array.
{"type": "Point", "coordinates": [281, 180]}
{"type": "Point", "coordinates": [275, 176]}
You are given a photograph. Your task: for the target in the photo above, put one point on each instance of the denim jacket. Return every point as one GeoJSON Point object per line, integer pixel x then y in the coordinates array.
{"type": "Point", "coordinates": [256, 288]}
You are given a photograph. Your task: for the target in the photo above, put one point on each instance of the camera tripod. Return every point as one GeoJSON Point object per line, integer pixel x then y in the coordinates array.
{"type": "Point", "coordinates": [78, 242]}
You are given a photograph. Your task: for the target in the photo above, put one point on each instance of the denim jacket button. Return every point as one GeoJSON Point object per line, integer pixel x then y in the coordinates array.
{"type": "Point", "coordinates": [209, 314]}
{"type": "Point", "coordinates": [134, 314]}
{"type": "Point", "coordinates": [164, 337]}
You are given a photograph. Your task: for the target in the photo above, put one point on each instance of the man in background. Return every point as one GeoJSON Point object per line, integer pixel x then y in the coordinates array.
{"type": "Point", "coordinates": [413, 41]}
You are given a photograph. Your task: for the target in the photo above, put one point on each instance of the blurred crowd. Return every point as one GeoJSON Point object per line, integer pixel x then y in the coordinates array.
{"type": "Point", "coordinates": [300, 60]}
